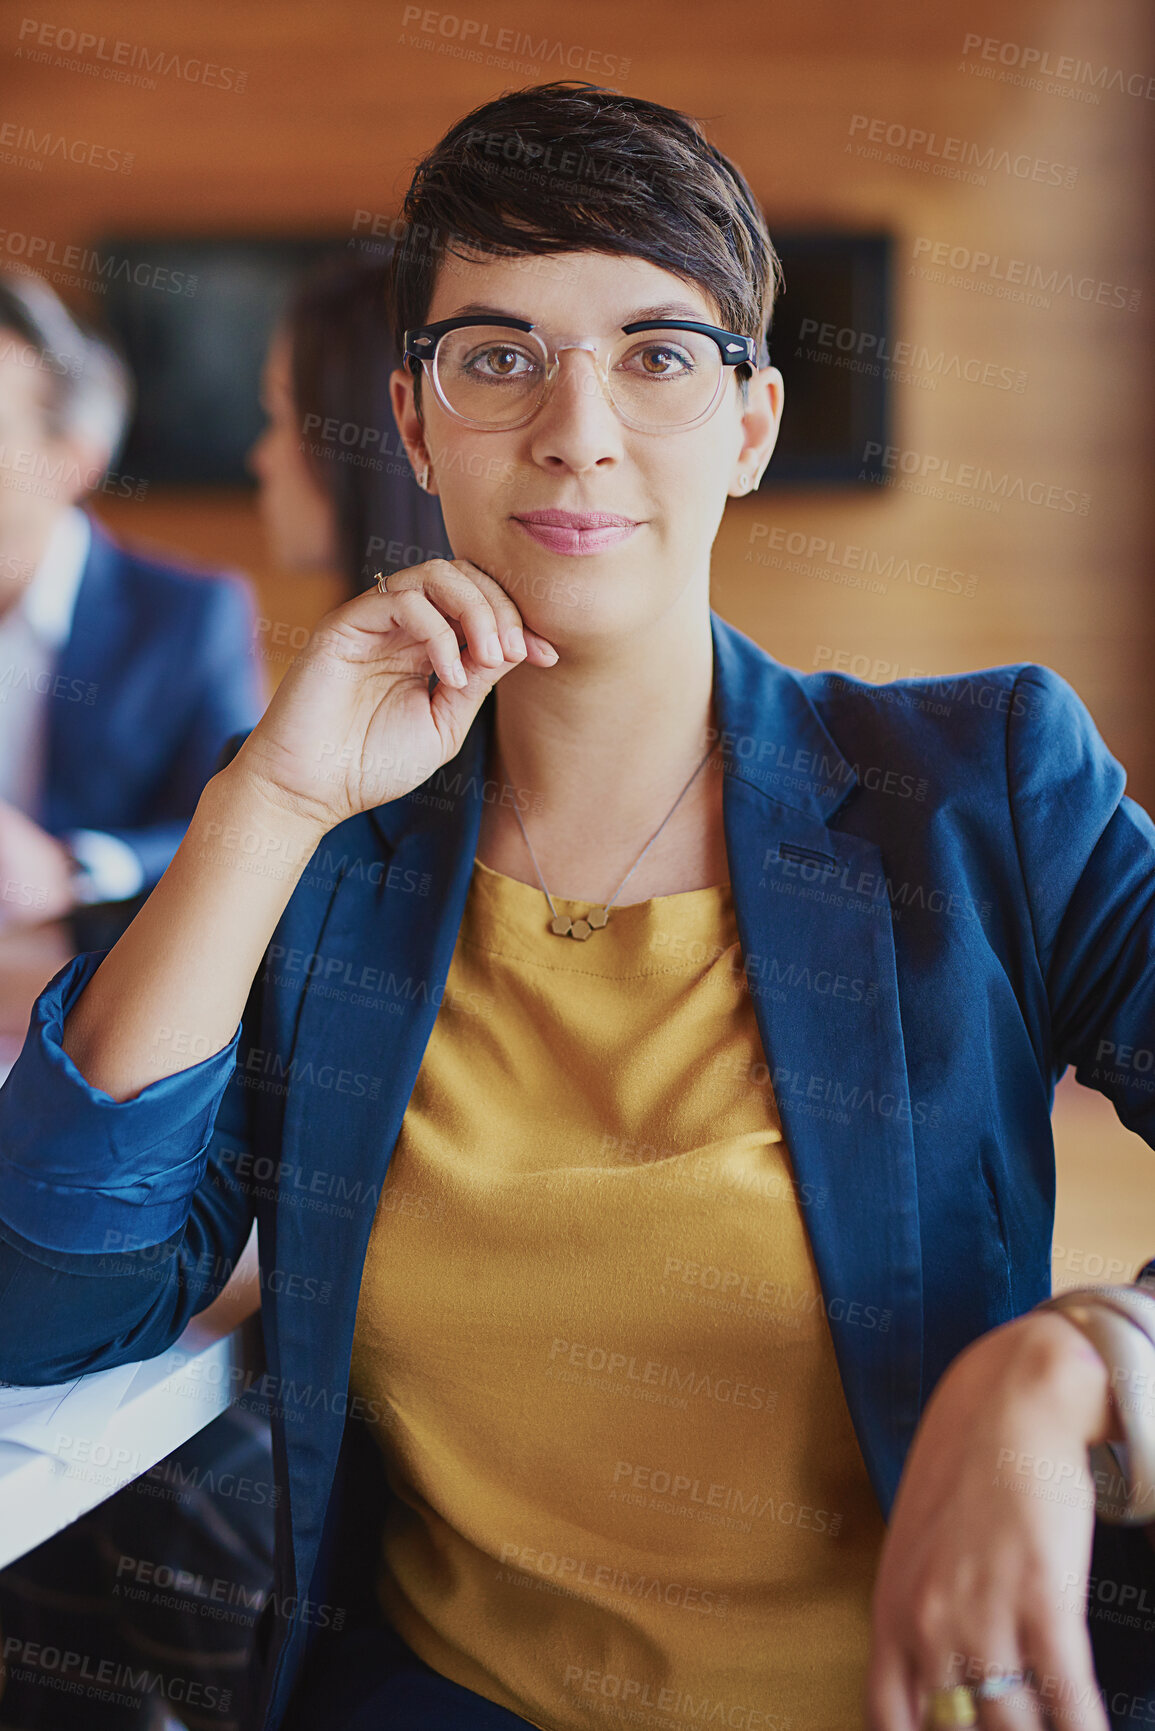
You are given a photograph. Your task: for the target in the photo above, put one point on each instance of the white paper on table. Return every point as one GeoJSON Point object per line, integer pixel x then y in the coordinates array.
{"type": "Point", "coordinates": [50, 1420]}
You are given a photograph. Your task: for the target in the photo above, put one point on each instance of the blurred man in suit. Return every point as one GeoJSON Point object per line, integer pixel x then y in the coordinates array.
{"type": "Point", "coordinates": [120, 676]}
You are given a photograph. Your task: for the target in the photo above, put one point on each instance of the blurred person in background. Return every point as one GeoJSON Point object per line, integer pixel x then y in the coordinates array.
{"type": "Point", "coordinates": [121, 675]}
{"type": "Point", "coordinates": [336, 489]}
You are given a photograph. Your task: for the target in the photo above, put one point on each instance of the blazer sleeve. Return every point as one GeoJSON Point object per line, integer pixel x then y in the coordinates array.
{"type": "Point", "coordinates": [119, 1220]}
{"type": "Point", "coordinates": [230, 699]}
{"type": "Point", "coordinates": [1087, 855]}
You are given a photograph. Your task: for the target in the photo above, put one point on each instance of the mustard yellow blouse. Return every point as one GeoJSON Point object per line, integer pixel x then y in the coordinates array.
{"type": "Point", "coordinates": [629, 1487]}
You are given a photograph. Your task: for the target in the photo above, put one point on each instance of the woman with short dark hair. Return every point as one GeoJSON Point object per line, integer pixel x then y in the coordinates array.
{"type": "Point", "coordinates": [644, 1103]}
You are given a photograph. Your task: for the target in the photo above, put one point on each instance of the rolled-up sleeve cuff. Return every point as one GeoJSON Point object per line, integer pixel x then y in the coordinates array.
{"type": "Point", "coordinates": [80, 1171]}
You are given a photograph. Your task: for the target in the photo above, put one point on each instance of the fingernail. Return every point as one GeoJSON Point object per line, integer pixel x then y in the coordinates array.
{"type": "Point", "coordinates": [549, 652]}
{"type": "Point", "coordinates": [493, 649]}
{"type": "Point", "coordinates": [515, 640]}
{"type": "Point", "coordinates": [458, 672]}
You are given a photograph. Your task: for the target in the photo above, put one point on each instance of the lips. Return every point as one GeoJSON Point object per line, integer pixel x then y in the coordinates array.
{"type": "Point", "coordinates": [576, 532]}
{"type": "Point", "coordinates": [577, 519]}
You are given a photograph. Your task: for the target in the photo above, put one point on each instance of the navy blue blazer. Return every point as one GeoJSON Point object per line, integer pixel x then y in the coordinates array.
{"type": "Point", "coordinates": [162, 665]}
{"type": "Point", "coordinates": [943, 897]}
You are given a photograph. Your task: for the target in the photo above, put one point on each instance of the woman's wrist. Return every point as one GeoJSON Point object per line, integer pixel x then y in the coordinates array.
{"type": "Point", "coordinates": [1063, 1367]}
{"type": "Point", "coordinates": [1040, 1370]}
{"type": "Point", "coordinates": [251, 806]}
{"type": "Point", "coordinates": [1118, 1324]}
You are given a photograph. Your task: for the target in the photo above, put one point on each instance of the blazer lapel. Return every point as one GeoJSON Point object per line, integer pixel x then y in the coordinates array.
{"type": "Point", "coordinates": [821, 966]}
{"type": "Point", "coordinates": [818, 943]}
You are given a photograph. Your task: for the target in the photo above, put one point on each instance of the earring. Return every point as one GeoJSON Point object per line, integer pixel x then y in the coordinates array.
{"type": "Point", "coordinates": [744, 483]}
{"type": "Point", "coordinates": [424, 481]}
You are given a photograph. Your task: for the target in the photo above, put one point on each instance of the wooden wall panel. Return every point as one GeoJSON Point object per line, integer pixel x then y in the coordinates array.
{"type": "Point", "coordinates": [337, 106]}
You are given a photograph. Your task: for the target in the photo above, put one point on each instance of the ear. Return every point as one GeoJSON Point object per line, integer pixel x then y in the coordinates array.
{"type": "Point", "coordinates": [409, 423]}
{"type": "Point", "coordinates": [761, 418]}
{"type": "Point", "coordinates": [86, 463]}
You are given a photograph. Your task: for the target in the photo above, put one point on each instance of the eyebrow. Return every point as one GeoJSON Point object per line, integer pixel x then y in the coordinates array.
{"type": "Point", "coordinates": [666, 310]}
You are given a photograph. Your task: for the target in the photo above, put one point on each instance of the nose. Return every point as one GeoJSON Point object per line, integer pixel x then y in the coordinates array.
{"type": "Point", "coordinates": [576, 427]}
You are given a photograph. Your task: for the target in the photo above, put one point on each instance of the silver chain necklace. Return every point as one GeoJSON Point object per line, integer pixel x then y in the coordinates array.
{"type": "Point", "coordinates": [594, 921]}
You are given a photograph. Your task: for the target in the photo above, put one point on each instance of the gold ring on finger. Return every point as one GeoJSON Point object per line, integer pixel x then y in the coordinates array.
{"type": "Point", "coordinates": [951, 1706]}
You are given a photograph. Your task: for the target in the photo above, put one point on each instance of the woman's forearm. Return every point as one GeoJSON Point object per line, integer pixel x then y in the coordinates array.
{"type": "Point", "coordinates": [172, 989]}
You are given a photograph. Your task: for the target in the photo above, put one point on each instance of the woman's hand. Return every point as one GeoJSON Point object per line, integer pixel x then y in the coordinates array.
{"type": "Point", "coordinates": [984, 1568]}
{"type": "Point", "coordinates": [352, 723]}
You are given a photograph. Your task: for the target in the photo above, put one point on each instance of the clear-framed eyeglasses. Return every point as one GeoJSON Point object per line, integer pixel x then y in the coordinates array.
{"type": "Point", "coordinates": [661, 376]}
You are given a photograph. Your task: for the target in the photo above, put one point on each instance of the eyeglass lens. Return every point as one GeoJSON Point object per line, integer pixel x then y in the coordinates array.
{"type": "Point", "coordinates": [496, 376]}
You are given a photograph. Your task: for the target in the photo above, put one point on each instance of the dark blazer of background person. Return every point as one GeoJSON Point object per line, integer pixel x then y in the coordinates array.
{"type": "Point", "coordinates": [944, 899]}
{"type": "Point", "coordinates": [165, 663]}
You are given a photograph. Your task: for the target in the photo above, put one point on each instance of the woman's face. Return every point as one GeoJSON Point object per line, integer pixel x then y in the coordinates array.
{"type": "Point", "coordinates": [576, 455]}
{"type": "Point", "coordinates": [299, 521]}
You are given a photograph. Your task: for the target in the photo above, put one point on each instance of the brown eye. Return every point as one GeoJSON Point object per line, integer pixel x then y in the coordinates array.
{"type": "Point", "coordinates": [656, 360]}
{"type": "Point", "coordinates": [663, 361]}
{"type": "Point", "coordinates": [496, 363]}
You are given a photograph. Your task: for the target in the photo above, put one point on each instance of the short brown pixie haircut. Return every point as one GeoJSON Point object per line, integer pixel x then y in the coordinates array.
{"type": "Point", "coordinates": [577, 167]}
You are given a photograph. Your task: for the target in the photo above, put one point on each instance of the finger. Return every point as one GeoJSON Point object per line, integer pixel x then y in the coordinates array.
{"type": "Point", "coordinates": [1064, 1672]}
{"type": "Point", "coordinates": [489, 620]}
{"type": "Point", "coordinates": [469, 615]}
{"type": "Point", "coordinates": [989, 1666]}
{"type": "Point", "coordinates": [512, 629]}
{"type": "Point", "coordinates": [453, 705]}
{"type": "Point", "coordinates": [975, 1662]}
{"type": "Point", "coordinates": [415, 614]}
{"type": "Point", "coordinates": [891, 1694]}
{"type": "Point", "coordinates": [463, 600]}
{"type": "Point", "coordinates": [455, 594]}
{"type": "Point", "coordinates": [1018, 1709]}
